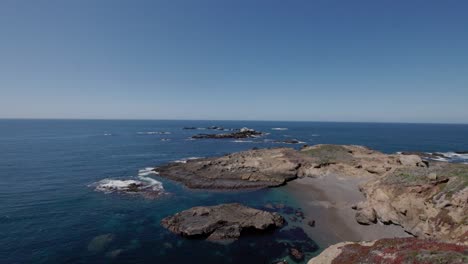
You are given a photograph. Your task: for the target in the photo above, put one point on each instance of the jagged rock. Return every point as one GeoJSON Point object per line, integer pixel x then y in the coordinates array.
{"type": "Point", "coordinates": [221, 222]}
{"type": "Point", "coordinates": [366, 216]}
{"type": "Point", "coordinates": [311, 223]}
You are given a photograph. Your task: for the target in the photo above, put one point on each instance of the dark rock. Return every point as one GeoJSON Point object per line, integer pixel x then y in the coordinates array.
{"type": "Point", "coordinates": [242, 133]}
{"type": "Point", "coordinates": [221, 222]}
{"type": "Point", "coordinates": [311, 223]}
{"type": "Point", "coordinates": [288, 141]}
{"type": "Point", "coordinates": [300, 214]}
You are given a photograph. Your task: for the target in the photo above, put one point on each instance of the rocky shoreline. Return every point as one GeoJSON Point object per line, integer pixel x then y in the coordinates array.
{"type": "Point", "coordinates": [428, 199]}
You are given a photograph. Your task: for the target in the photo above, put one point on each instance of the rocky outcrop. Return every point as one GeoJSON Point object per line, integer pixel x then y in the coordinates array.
{"type": "Point", "coordinates": [262, 168]}
{"type": "Point", "coordinates": [249, 169]}
{"type": "Point", "coordinates": [427, 202]}
{"type": "Point", "coordinates": [221, 222]}
{"type": "Point", "coordinates": [392, 251]}
{"type": "Point", "coordinates": [428, 199]}
{"type": "Point", "coordinates": [241, 133]}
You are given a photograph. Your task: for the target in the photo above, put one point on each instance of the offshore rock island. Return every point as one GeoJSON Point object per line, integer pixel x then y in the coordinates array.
{"type": "Point", "coordinates": [427, 198]}
{"type": "Point", "coordinates": [221, 222]}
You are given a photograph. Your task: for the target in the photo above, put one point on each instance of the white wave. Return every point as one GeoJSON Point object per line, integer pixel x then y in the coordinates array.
{"type": "Point", "coordinates": [146, 171]}
{"type": "Point", "coordinates": [242, 141]}
{"type": "Point", "coordinates": [280, 128]}
{"type": "Point", "coordinates": [111, 185]}
{"type": "Point", "coordinates": [440, 159]}
{"type": "Point", "coordinates": [315, 135]}
{"type": "Point", "coordinates": [107, 134]}
{"type": "Point", "coordinates": [454, 155]}
{"type": "Point", "coordinates": [152, 183]}
{"type": "Point", "coordinates": [186, 159]}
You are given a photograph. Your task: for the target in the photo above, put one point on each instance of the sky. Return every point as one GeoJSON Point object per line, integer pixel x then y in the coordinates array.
{"type": "Point", "coordinates": [314, 60]}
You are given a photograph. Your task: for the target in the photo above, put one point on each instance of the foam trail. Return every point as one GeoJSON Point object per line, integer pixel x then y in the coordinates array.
{"type": "Point", "coordinates": [280, 128]}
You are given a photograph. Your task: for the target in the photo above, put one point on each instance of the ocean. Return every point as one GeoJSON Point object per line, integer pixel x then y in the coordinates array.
{"type": "Point", "coordinates": [51, 212]}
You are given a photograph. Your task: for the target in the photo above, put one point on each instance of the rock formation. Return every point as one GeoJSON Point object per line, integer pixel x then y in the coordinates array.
{"type": "Point", "coordinates": [249, 169]}
{"type": "Point", "coordinates": [221, 222]}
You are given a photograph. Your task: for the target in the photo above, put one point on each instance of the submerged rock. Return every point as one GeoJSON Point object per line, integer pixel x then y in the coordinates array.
{"type": "Point", "coordinates": [221, 222]}
{"type": "Point", "coordinates": [296, 254]}
{"type": "Point", "coordinates": [100, 242]}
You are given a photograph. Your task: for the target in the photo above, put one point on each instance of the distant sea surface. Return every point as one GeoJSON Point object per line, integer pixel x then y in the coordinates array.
{"type": "Point", "coordinates": [50, 211]}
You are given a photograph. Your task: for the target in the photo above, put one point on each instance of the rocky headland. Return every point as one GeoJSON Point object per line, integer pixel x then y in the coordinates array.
{"type": "Point", "coordinates": [428, 199]}
{"type": "Point", "coordinates": [221, 222]}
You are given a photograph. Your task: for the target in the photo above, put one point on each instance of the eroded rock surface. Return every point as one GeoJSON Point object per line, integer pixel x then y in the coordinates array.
{"type": "Point", "coordinates": [221, 222]}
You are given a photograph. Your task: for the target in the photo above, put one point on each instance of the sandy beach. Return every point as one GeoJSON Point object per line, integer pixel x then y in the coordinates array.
{"type": "Point", "coordinates": [328, 201]}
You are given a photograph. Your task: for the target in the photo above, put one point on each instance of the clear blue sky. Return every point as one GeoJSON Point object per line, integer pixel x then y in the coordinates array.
{"type": "Point", "coordinates": [388, 61]}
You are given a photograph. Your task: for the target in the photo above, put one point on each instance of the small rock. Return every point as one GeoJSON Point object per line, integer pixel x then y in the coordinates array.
{"type": "Point", "coordinates": [311, 223]}
{"type": "Point", "coordinates": [300, 214]}
{"type": "Point", "coordinates": [366, 216]}
{"type": "Point", "coordinates": [281, 262]}
{"type": "Point", "coordinates": [296, 254]}
{"type": "Point", "coordinates": [432, 176]}
{"type": "Point", "coordinates": [293, 218]}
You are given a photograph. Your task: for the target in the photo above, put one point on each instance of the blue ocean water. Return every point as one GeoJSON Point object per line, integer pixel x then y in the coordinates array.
{"type": "Point", "coordinates": [49, 214]}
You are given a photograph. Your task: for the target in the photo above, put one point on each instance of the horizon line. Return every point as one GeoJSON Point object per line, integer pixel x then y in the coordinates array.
{"type": "Point", "coordinates": [227, 120]}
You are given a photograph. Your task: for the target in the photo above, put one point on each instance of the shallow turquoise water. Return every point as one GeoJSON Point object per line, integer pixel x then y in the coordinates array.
{"type": "Point", "coordinates": [49, 214]}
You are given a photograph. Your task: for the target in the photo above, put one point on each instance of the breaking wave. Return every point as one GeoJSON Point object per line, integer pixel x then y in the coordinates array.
{"type": "Point", "coordinates": [279, 128]}
{"type": "Point", "coordinates": [139, 184]}
{"type": "Point", "coordinates": [460, 157]}
{"type": "Point", "coordinates": [186, 159]}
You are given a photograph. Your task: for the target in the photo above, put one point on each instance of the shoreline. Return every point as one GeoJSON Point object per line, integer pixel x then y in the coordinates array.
{"type": "Point", "coordinates": [328, 201]}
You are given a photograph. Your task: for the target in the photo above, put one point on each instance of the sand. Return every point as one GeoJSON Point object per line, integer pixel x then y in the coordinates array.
{"type": "Point", "coordinates": [328, 201]}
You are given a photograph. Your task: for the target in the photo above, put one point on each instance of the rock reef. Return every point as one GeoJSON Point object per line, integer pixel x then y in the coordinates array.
{"type": "Point", "coordinates": [221, 222]}
{"type": "Point", "coordinates": [241, 133]}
